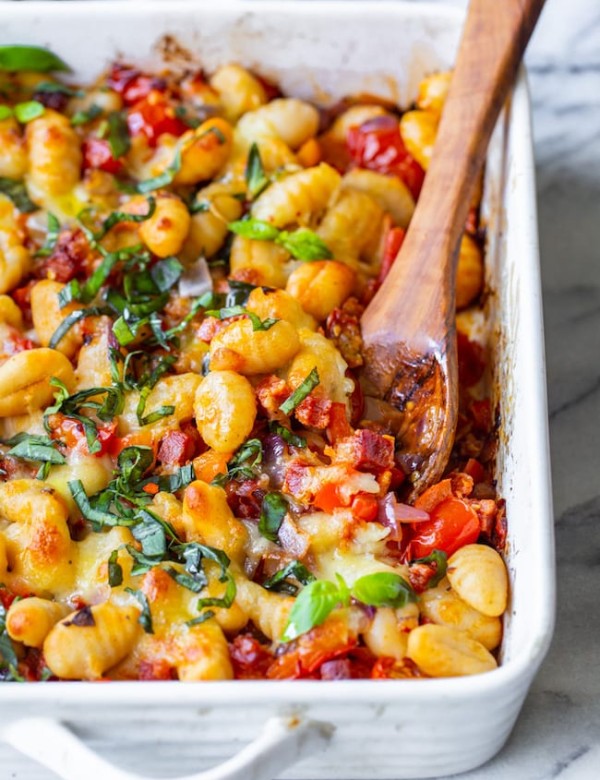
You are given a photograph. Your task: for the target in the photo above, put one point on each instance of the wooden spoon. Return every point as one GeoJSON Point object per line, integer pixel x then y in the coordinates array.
{"type": "Point", "coordinates": [409, 326]}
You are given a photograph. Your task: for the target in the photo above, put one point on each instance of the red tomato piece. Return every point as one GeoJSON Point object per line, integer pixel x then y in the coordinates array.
{"type": "Point", "coordinates": [475, 470]}
{"type": "Point", "coordinates": [328, 498]}
{"type": "Point", "coordinates": [393, 242]}
{"type": "Point", "coordinates": [153, 116]}
{"type": "Point", "coordinates": [453, 524]}
{"type": "Point", "coordinates": [97, 154]}
{"type": "Point", "coordinates": [365, 506]}
{"type": "Point", "coordinates": [339, 427]}
{"type": "Point", "coordinates": [72, 434]}
{"type": "Point", "coordinates": [133, 85]}
{"type": "Point", "coordinates": [378, 146]}
{"type": "Point", "coordinates": [249, 658]}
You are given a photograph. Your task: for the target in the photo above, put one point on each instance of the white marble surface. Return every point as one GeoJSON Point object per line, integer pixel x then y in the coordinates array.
{"type": "Point", "coordinates": [558, 733]}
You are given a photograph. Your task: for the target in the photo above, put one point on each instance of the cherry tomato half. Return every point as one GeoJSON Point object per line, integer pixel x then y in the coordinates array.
{"type": "Point", "coordinates": [393, 242]}
{"type": "Point", "coordinates": [453, 524]}
{"type": "Point", "coordinates": [97, 154]}
{"type": "Point", "coordinates": [133, 85]}
{"type": "Point", "coordinates": [378, 146]}
{"type": "Point", "coordinates": [153, 116]}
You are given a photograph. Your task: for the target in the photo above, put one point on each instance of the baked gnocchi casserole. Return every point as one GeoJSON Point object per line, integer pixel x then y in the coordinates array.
{"type": "Point", "coordinates": [193, 486]}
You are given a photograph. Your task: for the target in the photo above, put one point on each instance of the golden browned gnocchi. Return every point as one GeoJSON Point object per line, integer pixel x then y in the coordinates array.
{"type": "Point", "coordinates": [191, 486]}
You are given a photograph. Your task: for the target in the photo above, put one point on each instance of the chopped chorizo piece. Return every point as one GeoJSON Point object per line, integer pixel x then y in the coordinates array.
{"type": "Point", "coordinates": [368, 450]}
{"type": "Point", "coordinates": [271, 393]}
{"type": "Point", "coordinates": [343, 328]}
{"type": "Point", "coordinates": [176, 448]}
{"type": "Point", "coordinates": [71, 257]}
{"type": "Point", "coordinates": [314, 412]}
{"type": "Point", "coordinates": [245, 498]}
{"type": "Point", "coordinates": [250, 659]}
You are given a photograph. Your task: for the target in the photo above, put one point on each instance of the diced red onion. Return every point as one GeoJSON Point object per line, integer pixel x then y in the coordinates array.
{"type": "Point", "coordinates": [392, 513]}
{"type": "Point", "coordinates": [338, 669]}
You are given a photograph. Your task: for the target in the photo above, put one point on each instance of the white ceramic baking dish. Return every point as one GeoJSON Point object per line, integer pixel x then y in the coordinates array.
{"type": "Point", "coordinates": [351, 729]}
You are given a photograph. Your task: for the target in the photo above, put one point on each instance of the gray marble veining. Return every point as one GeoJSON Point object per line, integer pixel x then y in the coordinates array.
{"type": "Point", "coordinates": [558, 733]}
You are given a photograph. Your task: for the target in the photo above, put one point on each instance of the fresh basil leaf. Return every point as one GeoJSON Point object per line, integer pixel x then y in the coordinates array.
{"type": "Point", "coordinates": [83, 117]}
{"type": "Point", "coordinates": [145, 618]}
{"type": "Point", "coordinates": [28, 111]}
{"type": "Point", "coordinates": [437, 560]}
{"type": "Point", "coordinates": [115, 570]}
{"type": "Point", "coordinates": [52, 235]}
{"type": "Point", "coordinates": [150, 533]}
{"type": "Point", "coordinates": [133, 462]}
{"type": "Point", "coordinates": [254, 229]}
{"type": "Point", "coordinates": [73, 318]}
{"type": "Point", "coordinates": [193, 583]}
{"type": "Point", "coordinates": [192, 554]}
{"type": "Point", "coordinates": [118, 134]}
{"type": "Point", "coordinates": [225, 601]}
{"type": "Point", "coordinates": [304, 244]}
{"type": "Point", "coordinates": [301, 392]}
{"type": "Point", "coordinates": [17, 192]}
{"type": "Point", "coordinates": [239, 292]}
{"type": "Point", "coordinates": [170, 483]}
{"type": "Point", "coordinates": [29, 58]}
{"type": "Point", "coordinates": [273, 511]}
{"type": "Point", "coordinates": [280, 580]}
{"type": "Point", "coordinates": [256, 179]}
{"type": "Point", "coordinates": [288, 436]}
{"type": "Point", "coordinates": [5, 112]}
{"type": "Point", "coordinates": [197, 621]}
{"type": "Point", "coordinates": [312, 607]}
{"type": "Point", "coordinates": [383, 589]}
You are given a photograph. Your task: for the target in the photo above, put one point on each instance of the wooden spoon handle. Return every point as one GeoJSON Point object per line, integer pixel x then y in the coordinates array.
{"type": "Point", "coordinates": [494, 39]}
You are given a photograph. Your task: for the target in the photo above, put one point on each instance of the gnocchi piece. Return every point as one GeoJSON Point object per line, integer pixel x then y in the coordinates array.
{"type": "Point", "coordinates": [298, 199]}
{"type": "Point", "coordinates": [206, 655]}
{"type": "Point", "coordinates": [443, 606]}
{"type": "Point", "coordinates": [433, 92]}
{"type": "Point", "coordinates": [47, 315]}
{"type": "Point", "coordinates": [269, 611]}
{"type": "Point", "coordinates": [165, 232]}
{"type": "Point", "coordinates": [390, 192]}
{"type": "Point", "coordinates": [88, 643]}
{"type": "Point", "coordinates": [440, 651]}
{"type": "Point", "coordinates": [240, 348]}
{"type": "Point", "coordinates": [10, 314]}
{"type": "Point", "coordinates": [291, 120]}
{"type": "Point", "coordinates": [25, 380]}
{"type": "Point", "coordinates": [239, 91]}
{"type": "Point", "coordinates": [279, 305]}
{"type": "Point", "coordinates": [383, 635]}
{"type": "Point", "coordinates": [352, 226]}
{"type": "Point", "coordinates": [29, 620]}
{"type": "Point", "coordinates": [208, 228]}
{"type": "Point", "coordinates": [321, 286]}
{"type": "Point", "coordinates": [175, 391]}
{"type": "Point", "coordinates": [225, 410]}
{"type": "Point", "coordinates": [469, 272]}
{"type": "Point", "coordinates": [14, 257]}
{"type": "Point", "coordinates": [54, 156]}
{"type": "Point", "coordinates": [258, 262]}
{"type": "Point", "coordinates": [38, 540]}
{"type": "Point", "coordinates": [418, 130]}
{"type": "Point", "coordinates": [204, 151]}
{"type": "Point", "coordinates": [93, 362]}
{"type": "Point", "coordinates": [478, 574]}
{"type": "Point", "coordinates": [207, 518]}
{"type": "Point", "coordinates": [354, 117]}
{"type": "Point", "coordinates": [13, 156]}
{"type": "Point", "coordinates": [317, 352]}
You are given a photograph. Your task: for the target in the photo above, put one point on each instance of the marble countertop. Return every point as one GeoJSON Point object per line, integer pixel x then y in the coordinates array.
{"type": "Point", "coordinates": [558, 733]}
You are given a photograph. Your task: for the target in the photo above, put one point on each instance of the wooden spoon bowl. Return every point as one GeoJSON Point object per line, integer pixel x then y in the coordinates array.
{"type": "Point", "coordinates": [409, 327]}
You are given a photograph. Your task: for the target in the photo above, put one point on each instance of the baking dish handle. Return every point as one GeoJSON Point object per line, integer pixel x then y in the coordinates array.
{"type": "Point", "coordinates": [282, 742]}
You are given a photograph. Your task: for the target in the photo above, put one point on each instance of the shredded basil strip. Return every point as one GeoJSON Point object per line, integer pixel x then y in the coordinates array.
{"type": "Point", "coordinates": [225, 601]}
{"type": "Point", "coordinates": [171, 483]}
{"type": "Point", "coordinates": [197, 621]}
{"type": "Point", "coordinates": [29, 58]}
{"type": "Point", "coordinates": [83, 117]}
{"type": "Point", "coordinates": [117, 134]}
{"type": "Point", "coordinates": [163, 179]}
{"type": "Point", "coordinates": [73, 318]}
{"type": "Point", "coordinates": [52, 235]}
{"type": "Point", "coordinates": [51, 87]}
{"type": "Point", "coordinates": [301, 392]}
{"type": "Point", "coordinates": [5, 112]}
{"type": "Point", "coordinates": [288, 436]}
{"type": "Point", "coordinates": [9, 663]}
{"type": "Point", "coordinates": [17, 192]}
{"type": "Point", "coordinates": [273, 511]}
{"type": "Point", "coordinates": [162, 411]}
{"type": "Point", "coordinates": [256, 179]}
{"type": "Point", "coordinates": [33, 447]}
{"type": "Point", "coordinates": [145, 618]}
{"type": "Point", "coordinates": [437, 558]}
{"type": "Point", "coordinates": [243, 463]}
{"type": "Point", "coordinates": [115, 570]}
{"type": "Point", "coordinates": [280, 580]}
{"type": "Point", "coordinates": [87, 510]}
{"type": "Point", "coordinates": [236, 311]}
{"type": "Point", "coordinates": [119, 216]}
